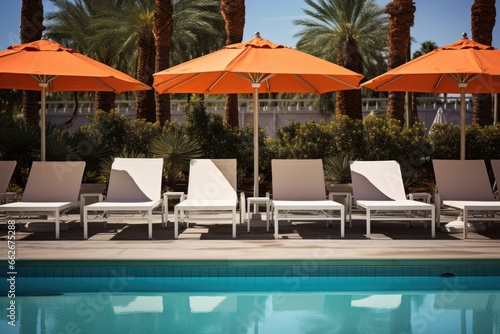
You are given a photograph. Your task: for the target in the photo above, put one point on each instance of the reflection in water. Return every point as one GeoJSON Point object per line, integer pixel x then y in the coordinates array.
{"type": "Point", "coordinates": [451, 311]}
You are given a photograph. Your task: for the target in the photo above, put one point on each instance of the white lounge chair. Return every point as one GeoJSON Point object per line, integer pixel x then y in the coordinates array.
{"type": "Point", "coordinates": [6, 171]}
{"type": "Point", "coordinates": [298, 188]}
{"type": "Point", "coordinates": [378, 188]}
{"type": "Point", "coordinates": [211, 187]}
{"type": "Point", "coordinates": [465, 185]}
{"type": "Point", "coordinates": [134, 187]}
{"type": "Point", "coordinates": [52, 187]}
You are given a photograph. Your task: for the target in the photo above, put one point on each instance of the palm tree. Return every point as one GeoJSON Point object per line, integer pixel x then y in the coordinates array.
{"type": "Point", "coordinates": [130, 45]}
{"type": "Point", "coordinates": [483, 14]}
{"type": "Point", "coordinates": [132, 34]}
{"type": "Point", "coordinates": [352, 33]}
{"type": "Point", "coordinates": [401, 19]}
{"type": "Point", "coordinates": [162, 32]}
{"type": "Point", "coordinates": [31, 30]}
{"type": "Point", "coordinates": [425, 47]}
{"type": "Point", "coordinates": [233, 12]}
{"type": "Point", "coordinates": [197, 29]}
{"type": "Point", "coordinates": [72, 26]}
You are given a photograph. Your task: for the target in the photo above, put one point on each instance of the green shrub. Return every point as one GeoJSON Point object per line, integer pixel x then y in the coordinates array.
{"type": "Point", "coordinates": [381, 138]}
{"type": "Point", "coordinates": [177, 150]}
{"type": "Point", "coordinates": [140, 136]}
{"type": "Point", "coordinates": [482, 142]}
{"type": "Point", "coordinates": [108, 128]}
{"type": "Point", "coordinates": [347, 136]}
{"type": "Point", "coordinates": [308, 140]}
{"type": "Point", "coordinates": [444, 139]}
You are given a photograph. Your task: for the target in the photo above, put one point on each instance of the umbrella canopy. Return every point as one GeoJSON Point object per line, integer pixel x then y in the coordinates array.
{"type": "Point", "coordinates": [462, 67]}
{"type": "Point", "coordinates": [47, 66]}
{"type": "Point", "coordinates": [256, 66]}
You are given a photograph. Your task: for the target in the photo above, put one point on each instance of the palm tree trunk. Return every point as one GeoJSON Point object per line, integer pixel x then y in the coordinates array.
{"type": "Point", "coordinates": [145, 99]}
{"type": "Point", "coordinates": [105, 101]}
{"type": "Point", "coordinates": [31, 30]}
{"type": "Point", "coordinates": [162, 31]}
{"type": "Point", "coordinates": [483, 14]}
{"type": "Point", "coordinates": [401, 19]}
{"type": "Point", "coordinates": [233, 12]}
{"type": "Point", "coordinates": [349, 102]}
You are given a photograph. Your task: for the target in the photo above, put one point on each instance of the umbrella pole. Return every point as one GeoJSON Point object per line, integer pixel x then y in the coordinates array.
{"type": "Point", "coordinates": [256, 87]}
{"type": "Point", "coordinates": [462, 86]}
{"type": "Point", "coordinates": [42, 123]}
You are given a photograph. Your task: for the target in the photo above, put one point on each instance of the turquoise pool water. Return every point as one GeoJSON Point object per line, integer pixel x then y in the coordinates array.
{"type": "Point", "coordinates": [244, 297]}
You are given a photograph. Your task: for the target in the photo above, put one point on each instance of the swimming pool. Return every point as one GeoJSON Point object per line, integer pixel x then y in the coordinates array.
{"type": "Point", "coordinates": [254, 297]}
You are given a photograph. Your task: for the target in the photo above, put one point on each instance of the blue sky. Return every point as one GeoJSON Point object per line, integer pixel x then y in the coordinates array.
{"type": "Point", "coordinates": [441, 21]}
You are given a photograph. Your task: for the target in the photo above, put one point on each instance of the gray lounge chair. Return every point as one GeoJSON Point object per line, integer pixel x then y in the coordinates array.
{"type": "Point", "coordinates": [465, 185]}
{"type": "Point", "coordinates": [6, 171]}
{"type": "Point", "coordinates": [298, 188]}
{"type": "Point", "coordinates": [52, 186]}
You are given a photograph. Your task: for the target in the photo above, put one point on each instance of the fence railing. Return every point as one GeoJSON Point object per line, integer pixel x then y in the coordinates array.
{"type": "Point", "coordinates": [273, 113]}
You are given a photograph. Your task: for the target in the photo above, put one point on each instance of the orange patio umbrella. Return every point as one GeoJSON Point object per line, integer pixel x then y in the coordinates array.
{"type": "Point", "coordinates": [256, 66]}
{"type": "Point", "coordinates": [462, 67]}
{"type": "Point", "coordinates": [47, 66]}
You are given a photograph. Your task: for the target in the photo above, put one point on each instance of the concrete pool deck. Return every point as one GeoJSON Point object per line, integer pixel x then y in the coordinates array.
{"type": "Point", "coordinates": [212, 241]}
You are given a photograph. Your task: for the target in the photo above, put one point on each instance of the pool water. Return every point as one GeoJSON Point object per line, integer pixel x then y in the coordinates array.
{"type": "Point", "coordinates": [258, 304]}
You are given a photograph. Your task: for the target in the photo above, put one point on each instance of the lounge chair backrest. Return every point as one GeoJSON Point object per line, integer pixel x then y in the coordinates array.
{"type": "Point", "coordinates": [208, 182]}
{"type": "Point", "coordinates": [228, 169]}
{"type": "Point", "coordinates": [54, 181]}
{"type": "Point", "coordinates": [377, 180]}
{"type": "Point", "coordinates": [6, 171]}
{"type": "Point", "coordinates": [495, 165]}
{"type": "Point", "coordinates": [298, 180]}
{"type": "Point", "coordinates": [135, 180]}
{"type": "Point", "coordinates": [464, 180]}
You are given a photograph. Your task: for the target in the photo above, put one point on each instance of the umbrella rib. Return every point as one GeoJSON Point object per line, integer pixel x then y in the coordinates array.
{"type": "Point", "coordinates": [178, 84]}
{"type": "Point", "coordinates": [104, 84]}
{"type": "Point", "coordinates": [311, 87]}
{"type": "Point", "coordinates": [463, 77]}
{"type": "Point", "coordinates": [216, 81]}
{"type": "Point", "coordinates": [389, 81]}
{"type": "Point", "coordinates": [43, 78]}
{"type": "Point", "coordinates": [341, 81]}
{"type": "Point", "coordinates": [439, 81]}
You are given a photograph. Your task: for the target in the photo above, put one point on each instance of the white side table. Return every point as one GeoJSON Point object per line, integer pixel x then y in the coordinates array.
{"type": "Point", "coordinates": [256, 201]}
{"type": "Point", "coordinates": [422, 197]}
{"type": "Point", "coordinates": [169, 194]}
{"type": "Point", "coordinates": [83, 199]}
{"type": "Point", "coordinates": [347, 197]}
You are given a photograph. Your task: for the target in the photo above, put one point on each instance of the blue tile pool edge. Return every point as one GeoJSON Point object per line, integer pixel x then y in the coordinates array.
{"type": "Point", "coordinates": [254, 268]}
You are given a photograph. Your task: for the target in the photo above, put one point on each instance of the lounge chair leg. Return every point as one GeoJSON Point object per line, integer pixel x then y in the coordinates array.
{"type": "Point", "coordinates": [433, 224]}
{"type": "Point", "coordinates": [368, 213]}
{"type": "Point", "coordinates": [57, 224]}
{"type": "Point", "coordinates": [465, 214]}
{"type": "Point", "coordinates": [150, 224]}
{"type": "Point", "coordinates": [85, 224]}
{"type": "Point", "coordinates": [342, 223]}
{"type": "Point", "coordinates": [276, 214]}
{"type": "Point", "coordinates": [176, 223]}
{"type": "Point", "coordinates": [234, 223]}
